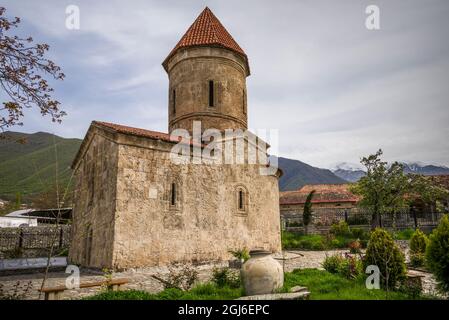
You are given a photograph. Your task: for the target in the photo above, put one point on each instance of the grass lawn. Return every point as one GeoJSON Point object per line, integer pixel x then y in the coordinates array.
{"type": "Point", "coordinates": [292, 240]}
{"type": "Point", "coordinates": [207, 291]}
{"type": "Point", "coordinates": [321, 284]}
{"type": "Point", "coordinates": [327, 286]}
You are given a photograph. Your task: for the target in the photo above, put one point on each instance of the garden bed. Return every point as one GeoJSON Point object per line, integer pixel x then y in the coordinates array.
{"type": "Point", "coordinates": [321, 284]}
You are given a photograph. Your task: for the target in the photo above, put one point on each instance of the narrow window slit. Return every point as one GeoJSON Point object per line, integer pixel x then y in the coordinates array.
{"type": "Point", "coordinates": [173, 194]}
{"type": "Point", "coordinates": [211, 93]}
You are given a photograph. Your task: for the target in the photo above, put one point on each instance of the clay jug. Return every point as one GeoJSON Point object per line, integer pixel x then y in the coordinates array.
{"type": "Point", "coordinates": [261, 274]}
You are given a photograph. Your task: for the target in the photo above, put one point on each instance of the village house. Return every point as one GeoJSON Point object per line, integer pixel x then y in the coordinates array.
{"type": "Point", "coordinates": [328, 202]}
{"type": "Point", "coordinates": [135, 207]}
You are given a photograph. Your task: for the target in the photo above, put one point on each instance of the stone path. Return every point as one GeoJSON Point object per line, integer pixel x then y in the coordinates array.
{"type": "Point", "coordinates": [141, 279]}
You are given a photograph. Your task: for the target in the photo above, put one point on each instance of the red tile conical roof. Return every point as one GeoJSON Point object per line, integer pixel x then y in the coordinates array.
{"type": "Point", "coordinates": [206, 30]}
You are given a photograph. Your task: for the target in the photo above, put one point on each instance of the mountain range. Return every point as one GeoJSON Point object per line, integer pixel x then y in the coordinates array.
{"type": "Point", "coordinates": [352, 172]}
{"type": "Point", "coordinates": [28, 165]}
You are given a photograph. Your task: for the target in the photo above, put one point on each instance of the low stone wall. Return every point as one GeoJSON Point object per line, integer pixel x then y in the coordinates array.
{"type": "Point", "coordinates": [29, 242]}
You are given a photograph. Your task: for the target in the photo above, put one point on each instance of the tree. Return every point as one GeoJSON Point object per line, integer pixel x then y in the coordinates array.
{"type": "Point", "coordinates": [385, 254]}
{"type": "Point", "coordinates": [387, 189]}
{"type": "Point", "coordinates": [383, 188]}
{"type": "Point", "coordinates": [437, 253]}
{"type": "Point", "coordinates": [23, 66]}
{"type": "Point", "coordinates": [307, 214]}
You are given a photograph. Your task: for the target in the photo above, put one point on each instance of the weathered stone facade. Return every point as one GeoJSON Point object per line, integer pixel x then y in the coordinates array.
{"type": "Point", "coordinates": [135, 207]}
{"type": "Point", "coordinates": [191, 72]}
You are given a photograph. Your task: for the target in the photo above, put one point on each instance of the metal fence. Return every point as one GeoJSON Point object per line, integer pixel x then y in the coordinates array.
{"type": "Point", "coordinates": [34, 237]}
{"type": "Point", "coordinates": [401, 219]}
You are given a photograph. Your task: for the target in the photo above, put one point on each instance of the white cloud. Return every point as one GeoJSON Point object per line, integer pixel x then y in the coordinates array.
{"type": "Point", "coordinates": [336, 90]}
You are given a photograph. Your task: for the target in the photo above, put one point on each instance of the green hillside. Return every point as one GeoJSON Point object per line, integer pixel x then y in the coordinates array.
{"type": "Point", "coordinates": [297, 174]}
{"type": "Point", "coordinates": [29, 167]}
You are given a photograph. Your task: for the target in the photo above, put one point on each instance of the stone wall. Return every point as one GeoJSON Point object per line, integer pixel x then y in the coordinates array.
{"type": "Point", "coordinates": [190, 71]}
{"type": "Point", "coordinates": [94, 201]}
{"type": "Point", "coordinates": [204, 224]}
{"type": "Point", "coordinates": [123, 216]}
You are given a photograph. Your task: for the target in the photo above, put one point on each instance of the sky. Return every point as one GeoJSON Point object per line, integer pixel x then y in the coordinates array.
{"type": "Point", "coordinates": [335, 90]}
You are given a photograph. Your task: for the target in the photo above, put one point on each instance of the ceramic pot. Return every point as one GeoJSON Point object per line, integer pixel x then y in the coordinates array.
{"type": "Point", "coordinates": [261, 274]}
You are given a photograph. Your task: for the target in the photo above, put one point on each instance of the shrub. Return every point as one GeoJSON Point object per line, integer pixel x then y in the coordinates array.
{"type": "Point", "coordinates": [340, 229]}
{"type": "Point", "coordinates": [242, 254]}
{"type": "Point", "coordinates": [437, 253]}
{"type": "Point", "coordinates": [225, 277]}
{"type": "Point", "coordinates": [418, 244]}
{"type": "Point", "coordinates": [358, 220]}
{"type": "Point", "coordinates": [355, 246]}
{"type": "Point", "coordinates": [351, 267]}
{"type": "Point", "coordinates": [384, 253]}
{"type": "Point", "coordinates": [333, 263]}
{"type": "Point", "coordinates": [359, 233]}
{"type": "Point", "coordinates": [182, 279]}
{"type": "Point", "coordinates": [347, 266]}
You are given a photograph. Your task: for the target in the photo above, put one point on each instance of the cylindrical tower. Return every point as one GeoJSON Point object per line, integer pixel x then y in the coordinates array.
{"type": "Point", "coordinates": [207, 73]}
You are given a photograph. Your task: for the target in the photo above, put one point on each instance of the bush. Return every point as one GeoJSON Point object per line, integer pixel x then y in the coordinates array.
{"type": "Point", "coordinates": [351, 267]}
{"type": "Point", "coordinates": [355, 246]}
{"type": "Point", "coordinates": [347, 266]}
{"type": "Point", "coordinates": [340, 229]}
{"type": "Point", "coordinates": [418, 245]}
{"type": "Point", "coordinates": [383, 252]}
{"type": "Point", "coordinates": [418, 242]}
{"type": "Point", "coordinates": [437, 253]}
{"type": "Point", "coordinates": [359, 233]}
{"type": "Point", "coordinates": [242, 254]}
{"type": "Point", "coordinates": [225, 277]}
{"type": "Point", "coordinates": [333, 263]}
{"type": "Point", "coordinates": [182, 279]}
{"type": "Point", "coordinates": [358, 220]}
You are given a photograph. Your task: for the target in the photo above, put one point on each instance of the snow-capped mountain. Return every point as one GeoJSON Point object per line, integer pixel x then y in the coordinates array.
{"type": "Point", "coordinates": [425, 169]}
{"type": "Point", "coordinates": [353, 172]}
{"type": "Point", "coordinates": [348, 171]}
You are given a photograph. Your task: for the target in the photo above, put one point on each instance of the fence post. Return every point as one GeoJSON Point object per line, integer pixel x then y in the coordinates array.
{"type": "Point", "coordinates": [380, 220]}
{"type": "Point", "coordinates": [21, 238]}
{"type": "Point", "coordinates": [346, 216]}
{"type": "Point", "coordinates": [415, 219]}
{"type": "Point", "coordinates": [61, 234]}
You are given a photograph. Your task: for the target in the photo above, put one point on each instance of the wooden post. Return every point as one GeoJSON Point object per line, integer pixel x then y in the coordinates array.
{"type": "Point", "coordinates": [21, 239]}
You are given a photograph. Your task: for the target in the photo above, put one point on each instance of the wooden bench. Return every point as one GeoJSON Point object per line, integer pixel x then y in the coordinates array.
{"type": "Point", "coordinates": [54, 293]}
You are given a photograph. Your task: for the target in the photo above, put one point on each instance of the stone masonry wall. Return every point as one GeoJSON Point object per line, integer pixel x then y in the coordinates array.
{"type": "Point", "coordinates": [190, 71]}
{"type": "Point", "coordinates": [205, 222]}
{"type": "Point", "coordinates": [95, 199]}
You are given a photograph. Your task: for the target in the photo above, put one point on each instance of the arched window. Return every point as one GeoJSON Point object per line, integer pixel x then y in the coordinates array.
{"type": "Point", "coordinates": [241, 203]}
{"type": "Point", "coordinates": [241, 200]}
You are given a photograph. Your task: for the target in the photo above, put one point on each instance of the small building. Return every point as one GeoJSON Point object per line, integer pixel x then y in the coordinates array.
{"type": "Point", "coordinates": [328, 202]}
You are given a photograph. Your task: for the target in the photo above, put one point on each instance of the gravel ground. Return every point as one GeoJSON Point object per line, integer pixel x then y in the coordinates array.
{"type": "Point", "coordinates": [142, 279]}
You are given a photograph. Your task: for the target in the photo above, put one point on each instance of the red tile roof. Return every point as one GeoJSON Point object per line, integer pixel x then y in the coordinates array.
{"type": "Point", "coordinates": [139, 132]}
{"type": "Point", "coordinates": [324, 193]}
{"type": "Point", "coordinates": [207, 30]}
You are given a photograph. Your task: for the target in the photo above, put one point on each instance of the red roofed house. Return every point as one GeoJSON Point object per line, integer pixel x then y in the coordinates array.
{"type": "Point", "coordinates": [328, 198]}
{"type": "Point", "coordinates": [135, 207]}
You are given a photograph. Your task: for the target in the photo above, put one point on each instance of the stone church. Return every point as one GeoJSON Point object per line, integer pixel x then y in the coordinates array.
{"type": "Point", "coordinates": [135, 207]}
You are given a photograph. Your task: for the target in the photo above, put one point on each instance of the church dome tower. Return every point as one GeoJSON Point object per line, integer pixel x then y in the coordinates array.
{"type": "Point", "coordinates": [207, 73]}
